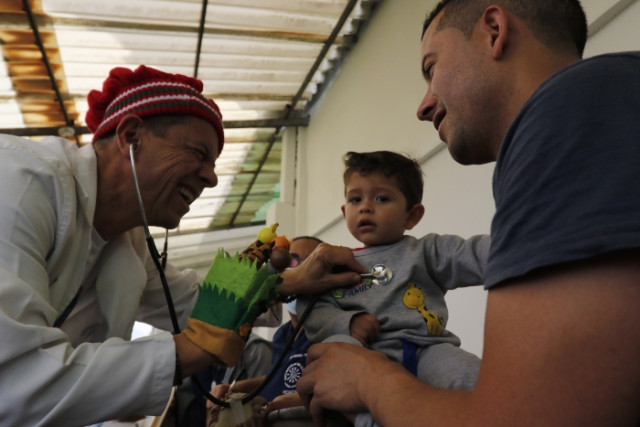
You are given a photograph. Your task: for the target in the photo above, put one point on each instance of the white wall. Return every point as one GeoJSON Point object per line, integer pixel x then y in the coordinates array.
{"type": "Point", "coordinates": [622, 33]}
{"type": "Point", "coordinates": [376, 93]}
{"type": "Point", "coordinates": [371, 106]}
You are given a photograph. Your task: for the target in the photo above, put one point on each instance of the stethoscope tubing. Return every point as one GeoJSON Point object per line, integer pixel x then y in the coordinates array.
{"type": "Point", "coordinates": [155, 255]}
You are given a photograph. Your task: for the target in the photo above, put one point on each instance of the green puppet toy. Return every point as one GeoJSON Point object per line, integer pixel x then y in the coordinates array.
{"type": "Point", "coordinates": [235, 291]}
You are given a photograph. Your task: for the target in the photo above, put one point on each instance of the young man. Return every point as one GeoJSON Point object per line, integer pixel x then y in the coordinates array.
{"type": "Point", "coordinates": [505, 81]}
{"type": "Point", "coordinates": [75, 271]}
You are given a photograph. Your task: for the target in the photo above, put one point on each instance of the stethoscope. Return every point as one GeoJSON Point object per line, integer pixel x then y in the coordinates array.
{"type": "Point", "coordinates": [379, 275]}
{"type": "Point", "coordinates": [160, 263]}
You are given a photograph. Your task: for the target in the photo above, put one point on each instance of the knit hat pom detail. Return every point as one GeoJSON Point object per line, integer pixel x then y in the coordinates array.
{"type": "Point", "coordinates": [148, 92]}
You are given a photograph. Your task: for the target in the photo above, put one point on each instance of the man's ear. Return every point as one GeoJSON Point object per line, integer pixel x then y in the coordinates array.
{"type": "Point", "coordinates": [128, 132]}
{"type": "Point", "coordinates": [495, 24]}
{"type": "Point", "coordinates": [414, 215]}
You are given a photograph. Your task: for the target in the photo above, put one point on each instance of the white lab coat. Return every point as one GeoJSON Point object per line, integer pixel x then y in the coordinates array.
{"type": "Point", "coordinates": [87, 370]}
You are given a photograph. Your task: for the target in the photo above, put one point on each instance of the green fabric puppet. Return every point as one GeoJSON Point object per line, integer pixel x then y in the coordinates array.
{"type": "Point", "coordinates": [235, 291]}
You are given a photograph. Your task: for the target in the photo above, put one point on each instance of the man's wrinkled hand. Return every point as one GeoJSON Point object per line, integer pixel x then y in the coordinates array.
{"type": "Point", "coordinates": [326, 268]}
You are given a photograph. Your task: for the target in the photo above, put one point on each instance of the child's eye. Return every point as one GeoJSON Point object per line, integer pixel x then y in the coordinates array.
{"type": "Point", "coordinates": [355, 199]}
{"type": "Point", "coordinates": [382, 199]}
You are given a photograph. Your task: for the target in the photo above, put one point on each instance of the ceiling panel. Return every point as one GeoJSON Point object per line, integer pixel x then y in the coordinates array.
{"type": "Point", "coordinates": [263, 61]}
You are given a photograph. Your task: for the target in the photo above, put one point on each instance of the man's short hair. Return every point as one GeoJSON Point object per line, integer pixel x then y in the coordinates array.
{"type": "Point", "coordinates": [558, 24]}
{"type": "Point", "coordinates": [404, 170]}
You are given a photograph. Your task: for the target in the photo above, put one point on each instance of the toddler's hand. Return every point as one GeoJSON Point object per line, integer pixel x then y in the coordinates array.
{"type": "Point", "coordinates": [365, 328]}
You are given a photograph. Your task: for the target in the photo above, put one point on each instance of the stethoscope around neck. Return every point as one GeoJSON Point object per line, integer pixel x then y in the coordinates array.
{"type": "Point", "coordinates": [160, 261]}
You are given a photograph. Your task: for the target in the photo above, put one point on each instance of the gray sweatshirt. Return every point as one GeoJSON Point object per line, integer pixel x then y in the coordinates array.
{"type": "Point", "coordinates": [423, 270]}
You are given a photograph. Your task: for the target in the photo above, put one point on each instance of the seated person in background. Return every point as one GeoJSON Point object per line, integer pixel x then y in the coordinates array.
{"type": "Point", "coordinates": [406, 317]}
{"type": "Point", "coordinates": [280, 391]}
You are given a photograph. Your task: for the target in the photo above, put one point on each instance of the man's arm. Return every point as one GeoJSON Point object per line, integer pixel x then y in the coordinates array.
{"type": "Point", "coordinates": [561, 348]}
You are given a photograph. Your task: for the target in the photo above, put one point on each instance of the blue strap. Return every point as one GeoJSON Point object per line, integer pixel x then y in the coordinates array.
{"type": "Point", "coordinates": [409, 358]}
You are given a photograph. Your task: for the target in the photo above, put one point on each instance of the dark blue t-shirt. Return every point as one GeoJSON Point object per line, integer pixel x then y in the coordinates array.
{"type": "Point", "coordinates": [567, 179]}
{"type": "Point", "coordinates": [285, 379]}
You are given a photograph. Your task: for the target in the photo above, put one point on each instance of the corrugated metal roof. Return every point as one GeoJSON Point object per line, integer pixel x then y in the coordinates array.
{"type": "Point", "coordinates": [263, 61]}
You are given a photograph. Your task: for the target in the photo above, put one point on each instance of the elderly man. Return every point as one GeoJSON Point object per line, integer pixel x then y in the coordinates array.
{"type": "Point", "coordinates": [75, 269]}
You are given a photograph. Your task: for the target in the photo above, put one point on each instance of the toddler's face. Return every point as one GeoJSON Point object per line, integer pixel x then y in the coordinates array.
{"type": "Point", "coordinates": [375, 209]}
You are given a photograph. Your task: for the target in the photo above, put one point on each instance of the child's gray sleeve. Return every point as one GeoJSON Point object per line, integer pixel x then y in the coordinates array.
{"type": "Point", "coordinates": [455, 262]}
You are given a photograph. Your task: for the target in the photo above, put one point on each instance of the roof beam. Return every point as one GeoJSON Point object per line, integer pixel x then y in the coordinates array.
{"type": "Point", "coordinates": [228, 124]}
{"type": "Point", "coordinates": [16, 21]}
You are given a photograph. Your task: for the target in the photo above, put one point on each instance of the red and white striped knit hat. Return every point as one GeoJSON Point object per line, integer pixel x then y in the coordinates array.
{"type": "Point", "coordinates": [148, 92]}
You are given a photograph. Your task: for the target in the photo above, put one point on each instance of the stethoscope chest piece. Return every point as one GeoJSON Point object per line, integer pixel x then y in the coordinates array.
{"type": "Point", "coordinates": [380, 274]}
